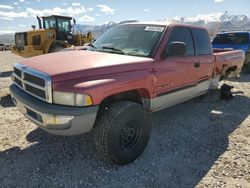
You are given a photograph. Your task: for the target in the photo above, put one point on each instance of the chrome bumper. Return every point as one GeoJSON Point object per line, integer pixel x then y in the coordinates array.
{"type": "Point", "coordinates": [54, 119]}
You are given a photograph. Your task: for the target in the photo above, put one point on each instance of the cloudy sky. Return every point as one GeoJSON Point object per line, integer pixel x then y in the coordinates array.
{"type": "Point", "coordinates": [18, 15]}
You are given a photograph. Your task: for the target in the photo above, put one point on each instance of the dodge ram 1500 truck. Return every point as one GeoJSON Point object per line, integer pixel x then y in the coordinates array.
{"type": "Point", "coordinates": [110, 88]}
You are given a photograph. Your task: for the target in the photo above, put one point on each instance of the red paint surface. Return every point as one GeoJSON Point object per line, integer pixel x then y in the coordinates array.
{"type": "Point", "coordinates": [104, 74]}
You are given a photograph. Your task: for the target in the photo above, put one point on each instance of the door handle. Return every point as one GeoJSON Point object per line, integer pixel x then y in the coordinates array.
{"type": "Point", "coordinates": [197, 64]}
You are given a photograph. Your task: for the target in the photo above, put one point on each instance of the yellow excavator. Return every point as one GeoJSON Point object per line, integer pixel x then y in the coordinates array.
{"type": "Point", "coordinates": [54, 33]}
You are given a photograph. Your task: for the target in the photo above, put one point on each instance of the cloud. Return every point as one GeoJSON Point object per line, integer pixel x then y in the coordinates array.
{"type": "Point", "coordinates": [76, 4]}
{"type": "Point", "coordinates": [22, 25]}
{"type": "Point", "coordinates": [7, 31]}
{"type": "Point", "coordinates": [70, 11]}
{"type": "Point", "coordinates": [23, 1]}
{"type": "Point", "coordinates": [86, 18]}
{"type": "Point", "coordinates": [45, 12]}
{"type": "Point", "coordinates": [11, 15]}
{"type": "Point", "coordinates": [205, 17]}
{"type": "Point", "coordinates": [146, 10]}
{"type": "Point", "coordinates": [75, 11]}
{"type": "Point", "coordinates": [5, 18]}
{"type": "Point", "coordinates": [15, 3]}
{"type": "Point", "coordinates": [218, 1]}
{"type": "Point", "coordinates": [90, 9]}
{"type": "Point", "coordinates": [31, 12]}
{"type": "Point", "coordinates": [6, 7]}
{"type": "Point", "coordinates": [106, 9]}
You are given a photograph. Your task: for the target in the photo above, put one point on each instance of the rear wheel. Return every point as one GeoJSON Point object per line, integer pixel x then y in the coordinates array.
{"type": "Point", "coordinates": [122, 132]}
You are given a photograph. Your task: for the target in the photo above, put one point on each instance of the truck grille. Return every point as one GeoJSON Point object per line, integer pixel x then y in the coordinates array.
{"type": "Point", "coordinates": [21, 40]}
{"type": "Point", "coordinates": [36, 83]}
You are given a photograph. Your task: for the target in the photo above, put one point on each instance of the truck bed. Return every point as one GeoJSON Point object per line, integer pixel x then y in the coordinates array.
{"type": "Point", "coordinates": [228, 62]}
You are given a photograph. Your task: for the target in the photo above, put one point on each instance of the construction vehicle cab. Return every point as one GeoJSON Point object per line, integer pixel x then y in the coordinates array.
{"type": "Point", "coordinates": [62, 25]}
{"type": "Point", "coordinates": [54, 34]}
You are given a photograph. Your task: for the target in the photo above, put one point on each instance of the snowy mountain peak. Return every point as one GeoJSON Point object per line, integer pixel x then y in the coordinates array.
{"type": "Point", "coordinates": [207, 18]}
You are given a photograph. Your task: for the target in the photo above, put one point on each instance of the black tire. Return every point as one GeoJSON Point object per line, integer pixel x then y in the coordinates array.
{"type": "Point", "coordinates": [122, 132]}
{"type": "Point", "coordinates": [55, 48]}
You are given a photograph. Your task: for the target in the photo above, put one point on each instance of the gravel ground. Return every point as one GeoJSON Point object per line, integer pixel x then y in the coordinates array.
{"type": "Point", "coordinates": [194, 144]}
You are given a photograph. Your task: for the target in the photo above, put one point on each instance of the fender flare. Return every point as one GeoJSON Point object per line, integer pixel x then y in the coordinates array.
{"type": "Point", "coordinates": [49, 43]}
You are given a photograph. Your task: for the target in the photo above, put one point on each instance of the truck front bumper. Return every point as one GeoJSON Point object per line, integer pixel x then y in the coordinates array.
{"type": "Point", "coordinates": [54, 119]}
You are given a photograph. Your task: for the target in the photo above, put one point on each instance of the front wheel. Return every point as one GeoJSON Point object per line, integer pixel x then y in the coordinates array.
{"type": "Point", "coordinates": [122, 132]}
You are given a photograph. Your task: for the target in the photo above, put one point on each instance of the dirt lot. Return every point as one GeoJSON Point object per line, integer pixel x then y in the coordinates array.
{"type": "Point", "coordinates": [194, 144]}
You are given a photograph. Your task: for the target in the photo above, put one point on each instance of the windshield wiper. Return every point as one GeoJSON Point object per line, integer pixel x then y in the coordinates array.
{"type": "Point", "coordinates": [114, 49]}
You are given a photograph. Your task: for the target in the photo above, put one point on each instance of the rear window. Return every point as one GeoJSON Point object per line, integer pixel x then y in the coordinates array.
{"type": "Point", "coordinates": [202, 41]}
{"type": "Point", "coordinates": [231, 38]}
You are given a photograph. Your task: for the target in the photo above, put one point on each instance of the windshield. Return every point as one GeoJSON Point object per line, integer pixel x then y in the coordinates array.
{"type": "Point", "coordinates": [231, 38]}
{"type": "Point", "coordinates": [49, 23]}
{"type": "Point", "coordinates": [135, 40]}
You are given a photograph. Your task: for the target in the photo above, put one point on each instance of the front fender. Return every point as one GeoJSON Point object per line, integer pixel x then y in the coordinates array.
{"type": "Point", "coordinates": [102, 87]}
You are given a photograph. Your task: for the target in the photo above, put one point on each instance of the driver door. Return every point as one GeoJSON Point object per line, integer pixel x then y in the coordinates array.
{"type": "Point", "coordinates": [176, 76]}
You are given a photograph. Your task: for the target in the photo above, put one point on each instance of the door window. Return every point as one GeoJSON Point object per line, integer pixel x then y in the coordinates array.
{"type": "Point", "coordinates": [182, 34]}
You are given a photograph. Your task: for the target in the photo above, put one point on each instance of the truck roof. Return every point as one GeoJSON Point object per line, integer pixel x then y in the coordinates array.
{"type": "Point", "coordinates": [227, 32]}
{"type": "Point", "coordinates": [158, 23]}
{"type": "Point", "coordinates": [147, 23]}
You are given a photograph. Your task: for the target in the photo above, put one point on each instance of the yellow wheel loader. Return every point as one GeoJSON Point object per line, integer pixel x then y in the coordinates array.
{"type": "Point", "coordinates": [54, 34]}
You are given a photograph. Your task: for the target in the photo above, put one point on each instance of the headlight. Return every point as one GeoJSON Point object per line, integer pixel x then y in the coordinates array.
{"type": "Point", "coordinates": [71, 99]}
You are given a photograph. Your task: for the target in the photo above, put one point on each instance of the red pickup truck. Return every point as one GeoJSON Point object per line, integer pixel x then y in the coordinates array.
{"type": "Point", "coordinates": [110, 88]}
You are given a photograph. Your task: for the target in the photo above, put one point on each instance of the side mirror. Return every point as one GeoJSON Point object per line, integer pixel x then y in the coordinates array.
{"type": "Point", "coordinates": [176, 49]}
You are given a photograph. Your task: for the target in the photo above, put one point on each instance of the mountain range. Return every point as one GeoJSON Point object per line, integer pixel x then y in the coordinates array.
{"type": "Point", "coordinates": [215, 23]}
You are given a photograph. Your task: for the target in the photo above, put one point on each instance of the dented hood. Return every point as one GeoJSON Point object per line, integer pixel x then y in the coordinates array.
{"type": "Point", "coordinates": [81, 63]}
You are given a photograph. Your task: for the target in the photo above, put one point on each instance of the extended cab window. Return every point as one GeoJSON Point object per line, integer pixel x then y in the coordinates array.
{"type": "Point", "coordinates": [202, 42]}
{"type": "Point", "coordinates": [182, 34]}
